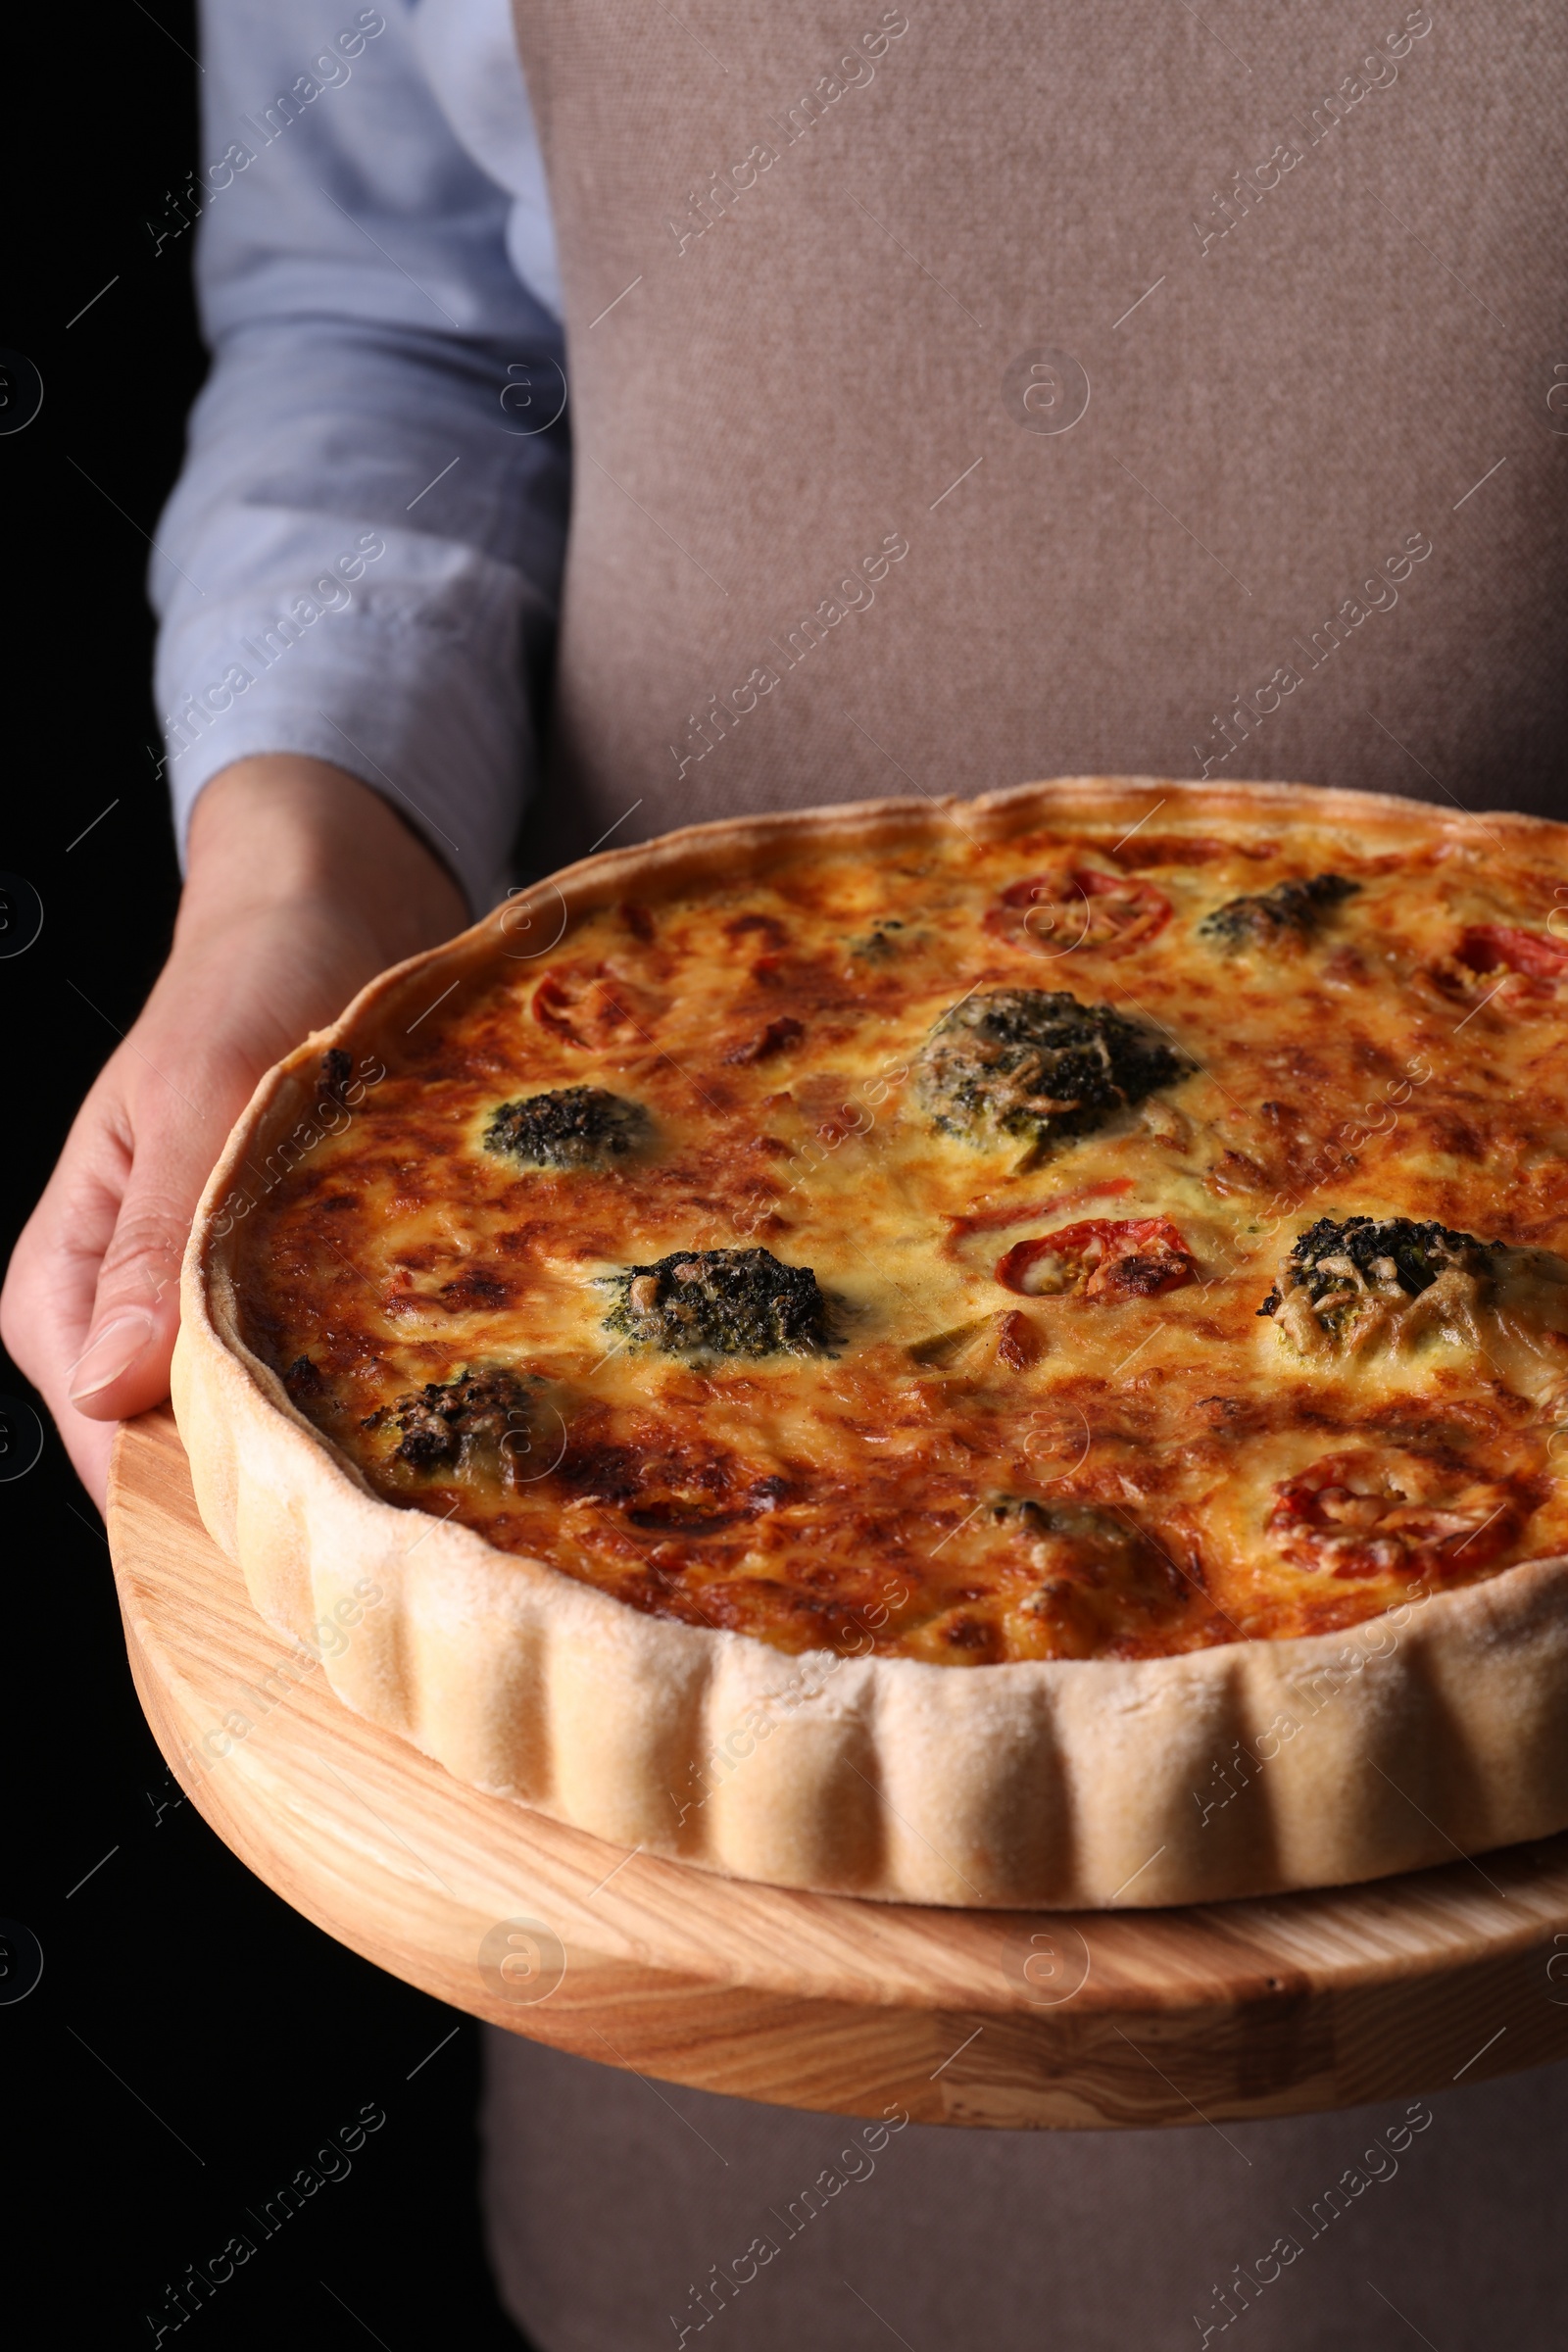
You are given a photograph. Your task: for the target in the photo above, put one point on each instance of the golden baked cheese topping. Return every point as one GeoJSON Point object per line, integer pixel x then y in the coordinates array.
{"type": "Point", "coordinates": [1083, 1244]}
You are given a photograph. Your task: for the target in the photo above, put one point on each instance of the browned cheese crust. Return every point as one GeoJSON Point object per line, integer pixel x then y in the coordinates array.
{"type": "Point", "coordinates": [995, 1447]}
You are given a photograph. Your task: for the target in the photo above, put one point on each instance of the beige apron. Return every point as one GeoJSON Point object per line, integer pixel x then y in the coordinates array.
{"type": "Point", "coordinates": [968, 394]}
{"type": "Point", "coordinates": [1162, 338]}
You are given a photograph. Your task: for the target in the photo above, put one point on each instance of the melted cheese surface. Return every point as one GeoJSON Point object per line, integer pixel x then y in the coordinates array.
{"type": "Point", "coordinates": [979, 1470]}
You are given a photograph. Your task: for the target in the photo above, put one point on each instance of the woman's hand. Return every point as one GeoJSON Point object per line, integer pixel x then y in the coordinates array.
{"type": "Point", "coordinates": [302, 885]}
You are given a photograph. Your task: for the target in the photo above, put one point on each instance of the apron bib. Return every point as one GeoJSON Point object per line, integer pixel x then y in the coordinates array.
{"type": "Point", "coordinates": [971, 395]}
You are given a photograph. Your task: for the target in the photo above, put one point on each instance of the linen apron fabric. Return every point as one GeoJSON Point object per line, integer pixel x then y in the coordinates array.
{"type": "Point", "coordinates": [614, 2201]}
{"type": "Point", "coordinates": [962, 396]}
{"type": "Point", "coordinates": [858, 348]}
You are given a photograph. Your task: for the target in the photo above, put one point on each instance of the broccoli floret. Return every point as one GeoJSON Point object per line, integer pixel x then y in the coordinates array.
{"type": "Point", "coordinates": [475, 1420]}
{"type": "Point", "coordinates": [720, 1302]}
{"type": "Point", "coordinates": [1340, 1262]}
{"type": "Point", "coordinates": [1291, 910]}
{"type": "Point", "coordinates": [1027, 1062]}
{"type": "Point", "coordinates": [570, 1127]}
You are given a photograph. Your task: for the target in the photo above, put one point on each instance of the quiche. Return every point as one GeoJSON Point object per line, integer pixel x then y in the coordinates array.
{"type": "Point", "coordinates": [1006, 1352]}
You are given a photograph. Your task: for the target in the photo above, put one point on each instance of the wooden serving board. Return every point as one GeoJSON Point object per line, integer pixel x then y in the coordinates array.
{"type": "Point", "coordinates": [1096, 2020]}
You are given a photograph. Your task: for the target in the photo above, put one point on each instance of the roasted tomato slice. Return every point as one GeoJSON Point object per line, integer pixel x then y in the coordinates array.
{"type": "Point", "coordinates": [1504, 947]}
{"type": "Point", "coordinates": [1081, 908]}
{"type": "Point", "coordinates": [1393, 1513]}
{"type": "Point", "coordinates": [1108, 1258]}
{"type": "Point", "coordinates": [596, 1006]}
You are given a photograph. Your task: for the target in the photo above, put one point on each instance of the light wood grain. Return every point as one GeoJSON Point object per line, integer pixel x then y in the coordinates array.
{"type": "Point", "coordinates": [1257, 2008]}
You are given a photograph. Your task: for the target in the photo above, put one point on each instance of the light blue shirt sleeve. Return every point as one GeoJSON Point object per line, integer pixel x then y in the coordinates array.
{"type": "Point", "coordinates": [361, 560]}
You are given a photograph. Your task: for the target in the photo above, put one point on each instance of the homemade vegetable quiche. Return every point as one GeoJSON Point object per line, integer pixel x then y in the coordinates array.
{"type": "Point", "coordinates": [993, 1352]}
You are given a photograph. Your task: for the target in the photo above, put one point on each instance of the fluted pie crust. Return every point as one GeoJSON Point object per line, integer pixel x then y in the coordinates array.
{"type": "Point", "coordinates": [1237, 1767]}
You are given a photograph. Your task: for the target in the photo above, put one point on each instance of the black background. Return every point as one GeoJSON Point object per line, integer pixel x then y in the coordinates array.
{"type": "Point", "coordinates": [192, 2041]}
